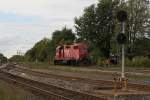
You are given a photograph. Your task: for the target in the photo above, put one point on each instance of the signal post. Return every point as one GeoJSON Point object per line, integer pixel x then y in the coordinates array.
{"type": "Point", "coordinates": [121, 39]}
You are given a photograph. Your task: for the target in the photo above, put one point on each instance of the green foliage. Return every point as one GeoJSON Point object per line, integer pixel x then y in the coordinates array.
{"type": "Point", "coordinates": [138, 26]}
{"type": "Point", "coordinates": [63, 36]}
{"type": "Point", "coordinates": [3, 59]}
{"type": "Point", "coordinates": [16, 58]}
{"type": "Point", "coordinates": [39, 51]}
{"type": "Point", "coordinates": [44, 50]}
{"type": "Point", "coordinates": [142, 47]}
{"type": "Point", "coordinates": [138, 62]}
{"type": "Point", "coordinates": [97, 25]}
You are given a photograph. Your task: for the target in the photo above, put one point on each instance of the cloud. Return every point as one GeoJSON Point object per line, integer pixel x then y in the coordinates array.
{"type": "Point", "coordinates": [44, 8]}
{"type": "Point", "coordinates": [24, 22]}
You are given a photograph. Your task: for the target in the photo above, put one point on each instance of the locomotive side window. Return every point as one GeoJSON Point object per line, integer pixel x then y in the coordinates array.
{"type": "Point", "coordinates": [67, 47]}
{"type": "Point", "coordinates": [61, 48]}
{"type": "Point", "coordinates": [75, 47]}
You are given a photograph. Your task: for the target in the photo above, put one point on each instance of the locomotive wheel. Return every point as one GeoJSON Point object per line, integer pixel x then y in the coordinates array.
{"type": "Point", "coordinates": [85, 62]}
{"type": "Point", "coordinates": [58, 62]}
{"type": "Point", "coordinates": [69, 62]}
{"type": "Point", "coordinates": [73, 62]}
{"type": "Point", "coordinates": [55, 62]}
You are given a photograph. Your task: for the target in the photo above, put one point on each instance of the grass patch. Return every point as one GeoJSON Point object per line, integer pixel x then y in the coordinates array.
{"type": "Point", "coordinates": [8, 92]}
{"type": "Point", "coordinates": [48, 66]}
{"type": "Point", "coordinates": [38, 65]}
{"type": "Point", "coordinates": [85, 69]}
{"type": "Point", "coordinates": [90, 70]}
{"type": "Point", "coordinates": [138, 62]}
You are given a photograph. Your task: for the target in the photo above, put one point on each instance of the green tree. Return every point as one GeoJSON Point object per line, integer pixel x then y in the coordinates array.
{"type": "Point", "coordinates": [97, 26]}
{"type": "Point", "coordinates": [142, 47]}
{"type": "Point", "coordinates": [138, 26]}
{"type": "Point", "coordinates": [3, 59]}
{"type": "Point", "coordinates": [16, 58]}
{"type": "Point", "coordinates": [44, 50]}
{"type": "Point", "coordinates": [63, 36]}
{"type": "Point", "coordinates": [39, 51]}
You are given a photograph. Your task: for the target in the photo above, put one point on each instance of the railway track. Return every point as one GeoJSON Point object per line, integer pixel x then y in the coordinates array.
{"type": "Point", "coordinates": [101, 83]}
{"type": "Point", "coordinates": [51, 91]}
{"type": "Point", "coordinates": [67, 78]}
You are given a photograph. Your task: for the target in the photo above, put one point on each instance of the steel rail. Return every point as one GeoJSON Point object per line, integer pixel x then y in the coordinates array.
{"type": "Point", "coordinates": [110, 83]}
{"type": "Point", "coordinates": [55, 91]}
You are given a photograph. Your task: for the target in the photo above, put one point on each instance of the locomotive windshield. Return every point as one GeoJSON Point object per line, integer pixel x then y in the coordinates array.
{"type": "Point", "coordinates": [75, 47]}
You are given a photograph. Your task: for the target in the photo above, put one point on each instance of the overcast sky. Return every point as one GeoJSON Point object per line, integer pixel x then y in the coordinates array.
{"type": "Point", "coordinates": [24, 22]}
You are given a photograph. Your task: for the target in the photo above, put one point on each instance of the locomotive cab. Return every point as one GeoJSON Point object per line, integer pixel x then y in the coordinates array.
{"type": "Point", "coordinates": [59, 52]}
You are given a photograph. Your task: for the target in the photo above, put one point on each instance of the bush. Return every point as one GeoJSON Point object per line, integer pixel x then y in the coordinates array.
{"type": "Point", "coordinates": [17, 58]}
{"type": "Point", "coordinates": [138, 62]}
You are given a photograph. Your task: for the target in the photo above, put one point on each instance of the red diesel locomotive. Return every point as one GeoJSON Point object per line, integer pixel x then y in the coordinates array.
{"type": "Point", "coordinates": [76, 53]}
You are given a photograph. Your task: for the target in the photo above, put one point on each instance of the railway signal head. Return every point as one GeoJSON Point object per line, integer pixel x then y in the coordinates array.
{"type": "Point", "coordinates": [121, 38]}
{"type": "Point", "coordinates": [122, 16]}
